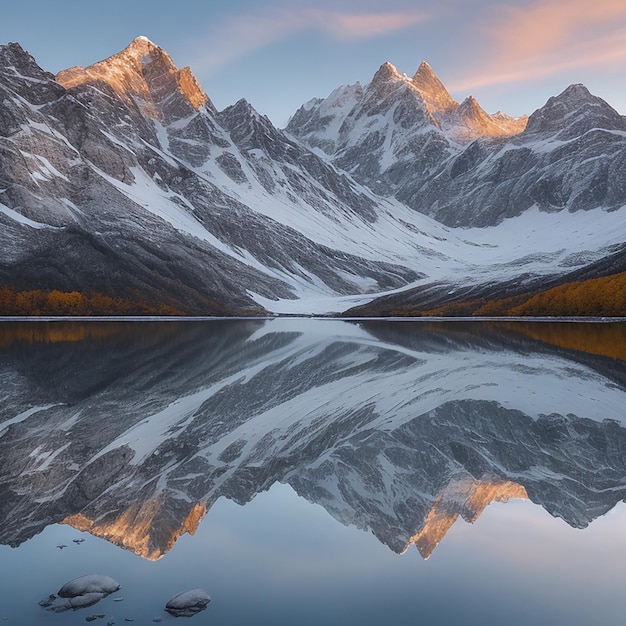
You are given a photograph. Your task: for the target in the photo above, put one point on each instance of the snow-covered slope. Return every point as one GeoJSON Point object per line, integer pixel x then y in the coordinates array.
{"type": "Point", "coordinates": [571, 156]}
{"type": "Point", "coordinates": [122, 178]}
{"type": "Point", "coordinates": [135, 431]}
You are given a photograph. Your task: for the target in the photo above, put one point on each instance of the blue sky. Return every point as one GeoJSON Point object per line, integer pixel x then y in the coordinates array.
{"type": "Point", "coordinates": [278, 54]}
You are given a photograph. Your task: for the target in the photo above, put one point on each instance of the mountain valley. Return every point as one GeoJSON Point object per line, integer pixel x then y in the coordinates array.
{"type": "Point", "coordinates": [124, 190]}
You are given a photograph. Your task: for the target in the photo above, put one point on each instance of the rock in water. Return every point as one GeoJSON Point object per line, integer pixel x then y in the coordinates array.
{"type": "Point", "coordinates": [188, 603]}
{"type": "Point", "coordinates": [87, 584]}
{"type": "Point", "coordinates": [81, 592]}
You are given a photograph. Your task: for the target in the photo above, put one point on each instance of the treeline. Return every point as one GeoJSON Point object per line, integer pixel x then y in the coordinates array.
{"type": "Point", "coordinates": [596, 297]}
{"type": "Point", "coordinates": [38, 302]}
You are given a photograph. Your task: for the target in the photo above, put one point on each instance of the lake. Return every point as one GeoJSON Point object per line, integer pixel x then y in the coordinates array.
{"type": "Point", "coordinates": [315, 471]}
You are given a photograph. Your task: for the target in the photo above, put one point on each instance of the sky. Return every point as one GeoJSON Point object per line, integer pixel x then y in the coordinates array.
{"type": "Point", "coordinates": [510, 55]}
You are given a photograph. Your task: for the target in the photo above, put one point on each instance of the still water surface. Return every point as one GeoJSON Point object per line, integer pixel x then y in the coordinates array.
{"type": "Point", "coordinates": [316, 472]}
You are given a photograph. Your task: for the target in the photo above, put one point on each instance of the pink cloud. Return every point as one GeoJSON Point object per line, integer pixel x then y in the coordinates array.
{"type": "Point", "coordinates": [547, 37]}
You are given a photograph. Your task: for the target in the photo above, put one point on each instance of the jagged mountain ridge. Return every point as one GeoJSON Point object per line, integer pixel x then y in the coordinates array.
{"type": "Point", "coordinates": [395, 125]}
{"type": "Point", "coordinates": [145, 75]}
{"type": "Point", "coordinates": [133, 431]}
{"type": "Point", "coordinates": [127, 180]}
{"type": "Point", "coordinates": [408, 138]}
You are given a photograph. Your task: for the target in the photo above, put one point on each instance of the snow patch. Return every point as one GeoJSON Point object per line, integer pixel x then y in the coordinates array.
{"type": "Point", "coordinates": [18, 217]}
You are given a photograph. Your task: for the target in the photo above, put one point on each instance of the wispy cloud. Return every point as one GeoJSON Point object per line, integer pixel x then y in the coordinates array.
{"type": "Point", "coordinates": [547, 37]}
{"type": "Point", "coordinates": [238, 37]}
{"type": "Point", "coordinates": [362, 26]}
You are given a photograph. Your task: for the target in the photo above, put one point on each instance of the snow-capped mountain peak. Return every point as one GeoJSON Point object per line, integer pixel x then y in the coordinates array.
{"type": "Point", "coordinates": [20, 71]}
{"type": "Point", "coordinates": [432, 90]}
{"type": "Point", "coordinates": [134, 186]}
{"type": "Point", "coordinates": [395, 128]}
{"type": "Point", "coordinates": [581, 110]}
{"type": "Point", "coordinates": [386, 72]}
{"type": "Point", "coordinates": [145, 74]}
{"type": "Point", "coordinates": [470, 121]}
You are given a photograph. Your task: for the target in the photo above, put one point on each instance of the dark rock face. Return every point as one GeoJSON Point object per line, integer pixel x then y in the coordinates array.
{"type": "Point", "coordinates": [18, 66]}
{"type": "Point", "coordinates": [139, 429]}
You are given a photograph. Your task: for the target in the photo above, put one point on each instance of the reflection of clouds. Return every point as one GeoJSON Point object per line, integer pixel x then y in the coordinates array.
{"type": "Point", "coordinates": [239, 36]}
{"type": "Point", "coordinates": [548, 37]}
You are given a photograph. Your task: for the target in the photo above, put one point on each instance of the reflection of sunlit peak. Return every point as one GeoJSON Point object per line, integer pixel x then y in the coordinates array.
{"type": "Point", "coordinates": [465, 497]}
{"type": "Point", "coordinates": [137, 528]}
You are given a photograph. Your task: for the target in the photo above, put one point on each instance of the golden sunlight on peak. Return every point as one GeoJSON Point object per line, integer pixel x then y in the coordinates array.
{"type": "Point", "coordinates": [143, 75]}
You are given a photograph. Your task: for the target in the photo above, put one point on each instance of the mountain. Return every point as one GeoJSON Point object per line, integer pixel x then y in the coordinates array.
{"type": "Point", "coordinates": [408, 138]}
{"type": "Point", "coordinates": [133, 431]}
{"type": "Point", "coordinates": [123, 190]}
{"type": "Point", "coordinates": [127, 180]}
{"type": "Point", "coordinates": [144, 76]}
{"type": "Point", "coordinates": [395, 131]}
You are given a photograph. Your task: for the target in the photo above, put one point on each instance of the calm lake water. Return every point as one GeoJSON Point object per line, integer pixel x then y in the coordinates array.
{"type": "Point", "coordinates": [316, 471]}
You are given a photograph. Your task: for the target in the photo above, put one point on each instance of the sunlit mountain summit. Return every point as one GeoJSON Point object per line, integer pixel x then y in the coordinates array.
{"type": "Point", "coordinates": [144, 74]}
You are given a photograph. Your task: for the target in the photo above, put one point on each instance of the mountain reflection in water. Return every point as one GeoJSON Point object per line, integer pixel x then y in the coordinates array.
{"type": "Point", "coordinates": [132, 431]}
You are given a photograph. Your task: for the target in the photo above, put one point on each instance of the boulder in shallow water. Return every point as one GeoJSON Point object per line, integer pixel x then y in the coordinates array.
{"type": "Point", "coordinates": [87, 584]}
{"type": "Point", "coordinates": [81, 592]}
{"type": "Point", "coordinates": [188, 603]}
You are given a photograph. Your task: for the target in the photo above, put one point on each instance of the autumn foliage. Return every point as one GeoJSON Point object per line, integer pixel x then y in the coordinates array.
{"type": "Point", "coordinates": [38, 302]}
{"type": "Point", "coordinates": [596, 297]}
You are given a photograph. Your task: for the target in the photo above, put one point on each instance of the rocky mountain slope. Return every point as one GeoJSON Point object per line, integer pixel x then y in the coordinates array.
{"type": "Point", "coordinates": [408, 138]}
{"type": "Point", "coordinates": [123, 181]}
{"type": "Point", "coordinates": [132, 432]}
{"type": "Point", "coordinates": [131, 180]}
{"type": "Point", "coordinates": [396, 130]}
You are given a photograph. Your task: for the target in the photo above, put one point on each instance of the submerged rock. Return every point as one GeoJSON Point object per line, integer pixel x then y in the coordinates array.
{"type": "Point", "coordinates": [188, 603]}
{"type": "Point", "coordinates": [80, 592]}
{"type": "Point", "coordinates": [86, 599]}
